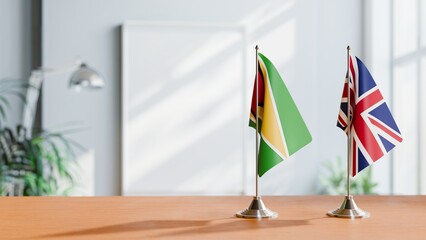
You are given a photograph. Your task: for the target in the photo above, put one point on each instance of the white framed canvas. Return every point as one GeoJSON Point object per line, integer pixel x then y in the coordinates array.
{"type": "Point", "coordinates": [184, 114]}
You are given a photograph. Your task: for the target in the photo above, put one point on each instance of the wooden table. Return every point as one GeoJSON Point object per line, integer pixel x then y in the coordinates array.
{"type": "Point", "coordinates": [392, 217]}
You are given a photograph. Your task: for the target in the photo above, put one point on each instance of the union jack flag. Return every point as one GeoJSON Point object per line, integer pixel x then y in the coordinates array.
{"type": "Point", "coordinates": [373, 131]}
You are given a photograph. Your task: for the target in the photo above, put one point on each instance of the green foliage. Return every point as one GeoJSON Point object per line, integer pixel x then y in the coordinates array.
{"type": "Point", "coordinates": [35, 166]}
{"type": "Point", "coordinates": [335, 178]}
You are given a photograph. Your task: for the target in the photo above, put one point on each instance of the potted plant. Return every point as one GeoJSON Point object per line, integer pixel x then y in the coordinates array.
{"type": "Point", "coordinates": [335, 179]}
{"type": "Point", "coordinates": [32, 166]}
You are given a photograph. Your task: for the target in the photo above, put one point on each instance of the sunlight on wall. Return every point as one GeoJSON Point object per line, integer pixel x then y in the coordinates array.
{"type": "Point", "coordinates": [280, 43]}
{"type": "Point", "coordinates": [188, 131]}
{"type": "Point", "coordinates": [405, 37]}
{"type": "Point", "coordinates": [198, 56]}
{"type": "Point", "coordinates": [187, 97]}
{"type": "Point", "coordinates": [265, 13]}
{"type": "Point", "coordinates": [405, 104]}
{"type": "Point", "coordinates": [396, 61]}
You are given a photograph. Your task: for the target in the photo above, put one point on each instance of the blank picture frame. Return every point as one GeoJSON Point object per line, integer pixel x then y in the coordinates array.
{"type": "Point", "coordinates": [184, 111]}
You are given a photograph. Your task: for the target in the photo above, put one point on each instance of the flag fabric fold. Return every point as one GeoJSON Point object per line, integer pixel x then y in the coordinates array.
{"type": "Point", "coordinates": [373, 130]}
{"type": "Point", "coordinates": [281, 126]}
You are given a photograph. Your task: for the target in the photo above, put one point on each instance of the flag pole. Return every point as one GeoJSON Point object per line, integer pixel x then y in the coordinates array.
{"type": "Point", "coordinates": [257, 208]}
{"type": "Point", "coordinates": [348, 209]}
{"type": "Point", "coordinates": [349, 124]}
{"type": "Point", "coordinates": [257, 120]}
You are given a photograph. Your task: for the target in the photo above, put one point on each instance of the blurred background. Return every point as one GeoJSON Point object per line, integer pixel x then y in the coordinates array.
{"type": "Point", "coordinates": [172, 116]}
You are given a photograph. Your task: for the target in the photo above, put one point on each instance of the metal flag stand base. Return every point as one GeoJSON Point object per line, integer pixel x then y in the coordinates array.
{"type": "Point", "coordinates": [257, 209]}
{"type": "Point", "coordinates": [349, 209]}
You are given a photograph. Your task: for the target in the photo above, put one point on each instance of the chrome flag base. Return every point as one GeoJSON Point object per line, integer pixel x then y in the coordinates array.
{"type": "Point", "coordinates": [349, 209]}
{"type": "Point", "coordinates": [257, 209]}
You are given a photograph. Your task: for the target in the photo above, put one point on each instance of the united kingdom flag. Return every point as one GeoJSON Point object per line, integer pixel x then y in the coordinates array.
{"type": "Point", "coordinates": [373, 131]}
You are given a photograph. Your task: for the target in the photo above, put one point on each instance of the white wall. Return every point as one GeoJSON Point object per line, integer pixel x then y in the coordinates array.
{"type": "Point", "coordinates": [15, 47]}
{"type": "Point", "coordinates": [305, 39]}
{"type": "Point", "coordinates": [394, 58]}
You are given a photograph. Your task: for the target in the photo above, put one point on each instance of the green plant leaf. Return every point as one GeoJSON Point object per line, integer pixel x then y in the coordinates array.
{"type": "Point", "coordinates": [45, 160]}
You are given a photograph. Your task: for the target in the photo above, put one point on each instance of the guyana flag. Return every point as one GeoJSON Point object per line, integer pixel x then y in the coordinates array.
{"type": "Point", "coordinates": [281, 127]}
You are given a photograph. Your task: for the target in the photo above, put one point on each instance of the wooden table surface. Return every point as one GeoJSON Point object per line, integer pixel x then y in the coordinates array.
{"type": "Point", "coordinates": [392, 217]}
